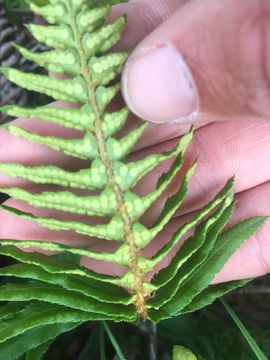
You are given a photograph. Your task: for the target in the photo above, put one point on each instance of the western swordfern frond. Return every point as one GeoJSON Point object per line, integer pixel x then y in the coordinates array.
{"type": "Point", "coordinates": [55, 295]}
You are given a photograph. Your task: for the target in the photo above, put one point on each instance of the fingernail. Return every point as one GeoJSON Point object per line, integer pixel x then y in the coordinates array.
{"type": "Point", "coordinates": [158, 86]}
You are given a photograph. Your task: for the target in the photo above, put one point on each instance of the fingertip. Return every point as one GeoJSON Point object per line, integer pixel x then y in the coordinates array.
{"type": "Point", "coordinates": [158, 86]}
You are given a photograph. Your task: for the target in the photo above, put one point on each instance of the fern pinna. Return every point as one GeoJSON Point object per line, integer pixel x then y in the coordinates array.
{"type": "Point", "coordinates": [54, 294]}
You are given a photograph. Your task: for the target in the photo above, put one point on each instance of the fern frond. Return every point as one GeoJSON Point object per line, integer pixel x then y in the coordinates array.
{"type": "Point", "coordinates": [54, 295]}
{"type": "Point", "coordinates": [31, 340]}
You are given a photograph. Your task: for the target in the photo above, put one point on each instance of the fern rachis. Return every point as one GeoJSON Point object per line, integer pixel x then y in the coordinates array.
{"type": "Point", "coordinates": [138, 286]}
{"type": "Point", "coordinates": [72, 293]}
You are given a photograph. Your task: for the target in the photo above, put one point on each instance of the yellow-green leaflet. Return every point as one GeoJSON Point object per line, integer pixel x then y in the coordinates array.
{"type": "Point", "coordinates": [182, 353]}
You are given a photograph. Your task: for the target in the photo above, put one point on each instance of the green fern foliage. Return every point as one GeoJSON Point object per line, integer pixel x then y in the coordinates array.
{"type": "Point", "coordinates": [48, 295]}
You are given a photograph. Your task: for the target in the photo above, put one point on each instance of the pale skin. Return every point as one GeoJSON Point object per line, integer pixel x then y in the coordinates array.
{"type": "Point", "coordinates": [226, 47]}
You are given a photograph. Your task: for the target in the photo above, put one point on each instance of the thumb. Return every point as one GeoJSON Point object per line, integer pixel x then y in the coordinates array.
{"type": "Point", "coordinates": [211, 58]}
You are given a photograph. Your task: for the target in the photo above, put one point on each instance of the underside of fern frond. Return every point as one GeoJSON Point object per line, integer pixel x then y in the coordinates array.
{"type": "Point", "coordinates": [55, 295]}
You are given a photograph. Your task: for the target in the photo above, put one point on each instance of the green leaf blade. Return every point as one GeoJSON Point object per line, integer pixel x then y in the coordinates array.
{"type": "Point", "coordinates": [91, 288]}
{"type": "Point", "coordinates": [18, 345]}
{"type": "Point", "coordinates": [56, 295]}
{"type": "Point", "coordinates": [213, 292]}
{"type": "Point", "coordinates": [257, 351]}
{"type": "Point", "coordinates": [225, 246]}
{"type": "Point", "coordinates": [38, 352]}
{"type": "Point", "coordinates": [58, 89]}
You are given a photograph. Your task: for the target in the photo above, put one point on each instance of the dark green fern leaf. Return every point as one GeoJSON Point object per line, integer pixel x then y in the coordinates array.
{"type": "Point", "coordinates": [47, 295]}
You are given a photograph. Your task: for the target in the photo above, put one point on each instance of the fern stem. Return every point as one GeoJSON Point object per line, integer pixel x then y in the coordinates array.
{"type": "Point", "coordinates": [152, 340]}
{"type": "Point", "coordinates": [139, 289]}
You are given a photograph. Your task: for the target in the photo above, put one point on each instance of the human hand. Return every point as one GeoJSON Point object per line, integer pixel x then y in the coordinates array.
{"type": "Point", "coordinates": [225, 46]}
